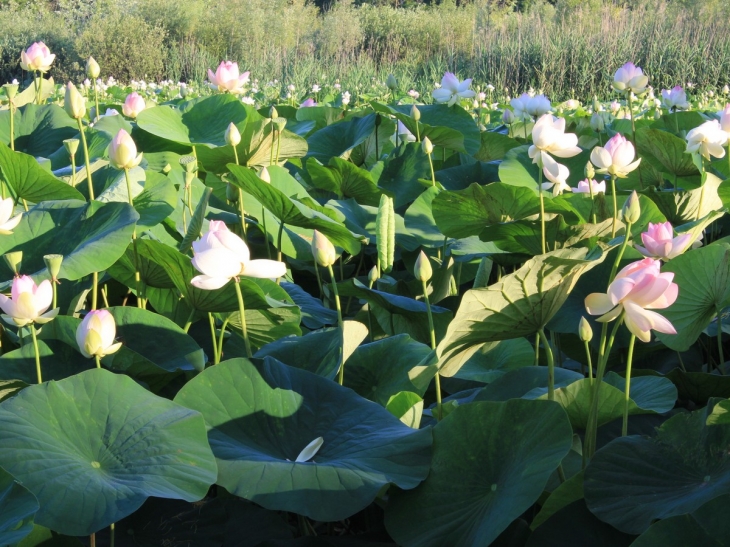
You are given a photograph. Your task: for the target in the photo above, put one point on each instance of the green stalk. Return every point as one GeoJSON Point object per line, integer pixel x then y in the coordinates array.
{"type": "Point", "coordinates": [278, 244]}
{"type": "Point", "coordinates": [98, 361]}
{"type": "Point", "coordinates": [720, 352]}
{"type": "Point", "coordinates": [213, 339]}
{"type": "Point", "coordinates": [73, 169]}
{"type": "Point", "coordinates": [633, 133]}
{"type": "Point", "coordinates": [38, 87]}
{"type": "Point", "coordinates": [189, 322]}
{"type": "Point", "coordinates": [137, 278]}
{"type": "Point", "coordinates": [593, 203]}
{"type": "Point", "coordinates": [266, 235]}
{"type": "Point", "coordinates": [551, 365]}
{"type": "Point", "coordinates": [542, 211]}
{"type": "Point", "coordinates": [590, 364]}
{"type": "Point", "coordinates": [220, 341]}
{"type": "Point", "coordinates": [629, 359]}
{"type": "Point", "coordinates": [620, 254]}
{"type": "Point", "coordinates": [341, 376]}
{"type": "Point", "coordinates": [37, 354]}
{"type": "Point", "coordinates": [94, 290]}
{"type": "Point", "coordinates": [432, 330]}
{"type": "Point", "coordinates": [96, 99]}
{"type": "Point", "coordinates": [242, 311]}
{"type": "Point", "coordinates": [87, 162]}
{"type": "Point", "coordinates": [537, 349]}
{"type": "Point", "coordinates": [12, 126]}
{"type": "Point", "coordinates": [702, 191]}
{"type": "Point", "coordinates": [241, 209]}
{"type": "Point", "coordinates": [433, 175]}
{"type": "Point", "coordinates": [615, 206]}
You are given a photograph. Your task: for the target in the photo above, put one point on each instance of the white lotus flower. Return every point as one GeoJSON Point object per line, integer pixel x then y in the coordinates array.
{"type": "Point", "coordinates": [28, 302]}
{"type": "Point", "coordinates": [707, 140]}
{"type": "Point", "coordinates": [557, 174]}
{"type": "Point", "coordinates": [7, 224]}
{"type": "Point", "coordinates": [549, 137]}
{"type": "Point", "coordinates": [452, 90]}
{"type": "Point", "coordinates": [95, 334]}
{"type": "Point", "coordinates": [616, 158]}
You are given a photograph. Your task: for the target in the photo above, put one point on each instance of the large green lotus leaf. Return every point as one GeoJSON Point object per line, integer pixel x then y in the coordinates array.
{"type": "Point", "coordinates": [461, 176]}
{"type": "Point", "coordinates": [39, 130]}
{"type": "Point", "coordinates": [634, 480]}
{"type": "Point", "coordinates": [43, 537]}
{"type": "Point", "coordinates": [93, 447]}
{"type": "Point", "coordinates": [260, 418]}
{"type": "Point", "coordinates": [569, 491]}
{"type": "Point", "coordinates": [403, 170]}
{"type": "Point", "coordinates": [519, 305]}
{"type": "Point", "coordinates": [29, 181]}
{"type": "Point", "coordinates": [314, 314]}
{"type": "Point", "coordinates": [689, 205]}
{"type": "Point", "coordinates": [365, 153]}
{"type": "Point", "coordinates": [152, 274]}
{"type": "Point", "coordinates": [58, 361]}
{"type": "Point", "coordinates": [668, 149]}
{"type": "Point", "coordinates": [345, 180]}
{"type": "Point", "coordinates": [407, 407]}
{"type": "Point", "coordinates": [465, 213]}
{"type": "Point", "coordinates": [8, 388]}
{"type": "Point", "coordinates": [703, 276]}
{"type": "Point", "coordinates": [526, 383]}
{"type": "Point", "coordinates": [419, 220]}
{"type": "Point", "coordinates": [682, 121]}
{"type": "Point", "coordinates": [339, 138]}
{"type": "Point", "coordinates": [112, 124]}
{"type": "Point", "coordinates": [707, 526]}
{"type": "Point", "coordinates": [200, 121]}
{"type": "Point", "coordinates": [90, 236]}
{"type": "Point", "coordinates": [574, 524]}
{"type": "Point", "coordinates": [494, 146]}
{"type": "Point", "coordinates": [17, 508]}
{"type": "Point", "coordinates": [699, 387]}
{"type": "Point", "coordinates": [517, 168]}
{"type": "Point", "coordinates": [720, 414]}
{"type": "Point", "coordinates": [450, 127]}
{"type": "Point", "coordinates": [492, 360]}
{"type": "Point", "coordinates": [380, 370]}
{"type": "Point", "coordinates": [294, 212]}
{"type": "Point", "coordinates": [255, 148]}
{"type": "Point", "coordinates": [491, 462]}
{"type": "Point", "coordinates": [649, 395]}
{"type": "Point", "coordinates": [319, 352]}
{"type": "Point", "coordinates": [399, 314]}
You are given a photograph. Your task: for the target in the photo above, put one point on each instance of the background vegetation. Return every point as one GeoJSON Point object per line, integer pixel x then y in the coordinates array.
{"type": "Point", "coordinates": [567, 48]}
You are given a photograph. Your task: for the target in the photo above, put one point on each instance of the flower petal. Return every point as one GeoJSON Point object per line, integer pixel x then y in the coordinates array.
{"type": "Point", "coordinates": [265, 269]}
{"type": "Point", "coordinates": [209, 283]}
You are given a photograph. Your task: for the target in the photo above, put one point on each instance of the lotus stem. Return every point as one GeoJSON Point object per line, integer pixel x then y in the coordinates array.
{"type": "Point", "coordinates": [542, 211]}
{"type": "Point", "coordinates": [340, 323]}
{"type": "Point", "coordinates": [633, 136]}
{"type": "Point", "coordinates": [266, 235]}
{"type": "Point", "coordinates": [12, 125]}
{"type": "Point", "coordinates": [433, 175]}
{"type": "Point", "coordinates": [589, 361]}
{"type": "Point", "coordinates": [37, 354]}
{"type": "Point", "coordinates": [98, 361]}
{"type": "Point", "coordinates": [189, 322]}
{"type": "Point", "coordinates": [213, 339]}
{"type": "Point", "coordinates": [87, 161]}
{"type": "Point", "coordinates": [432, 331]}
{"type": "Point", "coordinates": [242, 312]}
{"type": "Point", "coordinates": [241, 208]}
{"type": "Point", "coordinates": [551, 364]}
{"type": "Point", "coordinates": [620, 254]}
{"type": "Point", "coordinates": [720, 352]}
{"type": "Point", "coordinates": [96, 99]}
{"type": "Point", "coordinates": [94, 290]}
{"type": "Point", "coordinates": [220, 341]}
{"type": "Point", "coordinates": [702, 191]}
{"type": "Point", "coordinates": [615, 206]}
{"type": "Point", "coordinates": [137, 278]}
{"type": "Point", "coordinates": [629, 359]}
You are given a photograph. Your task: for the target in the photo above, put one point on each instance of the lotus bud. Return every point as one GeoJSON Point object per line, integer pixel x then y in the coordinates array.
{"type": "Point", "coordinates": [597, 106]}
{"type": "Point", "coordinates": [123, 151]}
{"type": "Point", "coordinates": [391, 82]}
{"type": "Point", "coordinates": [71, 146]}
{"type": "Point", "coordinates": [632, 209]}
{"type": "Point", "coordinates": [373, 275]}
{"type": "Point", "coordinates": [74, 103]}
{"type": "Point", "coordinates": [95, 334]}
{"type": "Point", "coordinates": [92, 68]}
{"type": "Point", "coordinates": [415, 113]}
{"type": "Point", "coordinates": [279, 124]}
{"type": "Point", "coordinates": [584, 330]}
{"type": "Point", "coordinates": [426, 145]}
{"type": "Point", "coordinates": [657, 114]}
{"type": "Point", "coordinates": [233, 135]}
{"type": "Point", "coordinates": [264, 175]}
{"type": "Point", "coordinates": [53, 263]}
{"type": "Point", "coordinates": [14, 260]}
{"type": "Point", "coordinates": [273, 113]}
{"type": "Point", "coordinates": [231, 193]}
{"type": "Point", "coordinates": [322, 250]}
{"type": "Point", "coordinates": [508, 117]}
{"type": "Point", "coordinates": [11, 90]}
{"type": "Point", "coordinates": [597, 123]}
{"type": "Point", "coordinates": [589, 171]}
{"type": "Point", "coordinates": [422, 270]}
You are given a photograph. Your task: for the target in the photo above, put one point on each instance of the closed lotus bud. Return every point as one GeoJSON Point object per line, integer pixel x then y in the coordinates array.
{"type": "Point", "coordinates": [589, 171]}
{"type": "Point", "coordinates": [426, 145]}
{"type": "Point", "coordinates": [264, 175]}
{"type": "Point", "coordinates": [95, 334]}
{"type": "Point", "coordinates": [657, 114]}
{"type": "Point", "coordinates": [584, 330]}
{"type": "Point", "coordinates": [11, 90]}
{"type": "Point", "coordinates": [71, 146]}
{"type": "Point", "coordinates": [597, 107]}
{"type": "Point", "coordinates": [279, 124]}
{"type": "Point", "coordinates": [74, 103]}
{"type": "Point", "coordinates": [273, 113]}
{"type": "Point", "coordinates": [14, 260]}
{"type": "Point", "coordinates": [231, 193]}
{"type": "Point", "coordinates": [373, 275]}
{"type": "Point", "coordinates": [597, 123]}
{"type": "Point", "coordinates": [53, 263]}
{"type": "Point", "coordinates": [422, 270]}
{"type": "Point", "coordinates": [92, 68]}
{"type": "Point", "coordinates": [233, 135]}
{"type": "Point", "coordinates": [391, 82]}
{"type": "Point", "coordinates": [508, 117]}
{"type": "Point", "coordinates": [632, 210]}
{"type": "Point", "coordinates": [322, 250]}
{"type": "Point", "coordinates": [415, 113]}
{"type": "Point", "coordinates": [123, 151]}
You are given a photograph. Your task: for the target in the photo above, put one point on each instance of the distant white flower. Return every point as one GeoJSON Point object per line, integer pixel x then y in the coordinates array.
{"type": "Point", "coordinates": [675, 98]}
{"type": "Point", "coordinates": [414, 94]}
{"type": "Point", "coordinates": [316, 88]}
{"type": "Point", "coordinates": [451, 90]}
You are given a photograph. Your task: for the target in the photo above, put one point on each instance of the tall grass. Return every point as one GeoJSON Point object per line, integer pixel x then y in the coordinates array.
{"type": "Point", "coordinates": [568, 50]}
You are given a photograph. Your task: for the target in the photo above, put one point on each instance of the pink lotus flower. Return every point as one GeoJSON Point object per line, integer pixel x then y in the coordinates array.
{"type": "Point", "coordinates": [675, 98]}
{"type": "Point", "coordinates": [220, 255]}
{"type": "Point", "coordinates": [616, 157]}
{"type": "Point", "coordinates": [227, 77]}
{"type": "Point", "coordinates": [133, 105]}
{"type": "Point", "coordinates": [309, 102]}
{"type": "Point", "coordinates": [725, 118]}
{"type": "Point", "coordinates": [637, 289]}
{"type": "Point", "coordinates": [659, 242]}
{"type": "Point", "coordinates": [630, 78]}
{"type": "Point", "coordinates": [452, 90]}
{"type": "Point", "coordinates": [37, 57]}
{"type": "Point", "coordinates": [28, 302]}
{"type": "Point", "coordinates": [549, 137]}
{"type": "Point", "coordinates": [585, 187]}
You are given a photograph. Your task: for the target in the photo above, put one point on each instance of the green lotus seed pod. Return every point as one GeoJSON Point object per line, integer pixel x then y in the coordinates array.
{"type": "Point", "coordinates": [71, 146]}
{"type": "Point", "coordinates": [14, 260]}
{"type": "Point", "coordinates": [53, 263]}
